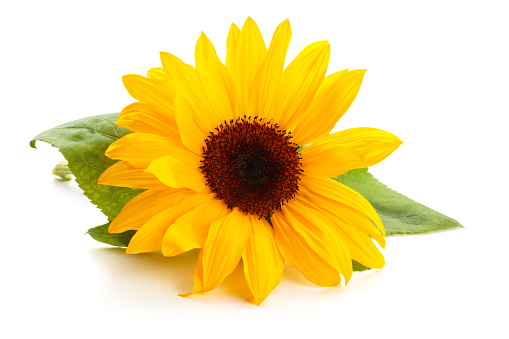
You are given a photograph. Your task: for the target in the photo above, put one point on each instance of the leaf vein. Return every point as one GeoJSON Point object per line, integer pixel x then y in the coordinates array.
{"type": "Point", "coordinates": [91, 129]}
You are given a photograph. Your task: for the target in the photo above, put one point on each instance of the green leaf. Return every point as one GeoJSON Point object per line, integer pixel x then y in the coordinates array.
{"type": "Point", "coordinates": [83, 143]}
{"type": "Point", "coordinates": [399, 214]}
{"type": "Point", "coordinates": [101, 234]}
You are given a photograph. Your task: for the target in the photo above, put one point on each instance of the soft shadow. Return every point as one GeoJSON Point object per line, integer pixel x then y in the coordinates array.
{"type": "Point", "coordinates": [292, 275]}
{"type": "Point", "coordinates": [67, 187]}
{"type": "Point", "coordinates": [359, 281]}
{"type": "Point", "coordinates": [153, 275]}
{"type": "Point", "coordinates": [154, 272]}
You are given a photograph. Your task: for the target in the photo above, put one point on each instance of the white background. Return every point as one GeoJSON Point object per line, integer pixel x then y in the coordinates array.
{"type": "Point", "coordinates": [437, 77]}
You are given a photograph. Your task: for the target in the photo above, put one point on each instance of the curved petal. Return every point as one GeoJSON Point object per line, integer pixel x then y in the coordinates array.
{"type": "Point", "coordinates": [177, 70]}
{"type": "Point", "coordinates": [144, 206]}
{"type": "Point", "coordinates": [247, 50]}
{"type": "Point", "coordinates": [174, 173]}
{"type": "Point", "coordinates": [316, 228]}
{"type": "Point", "coordinates": [232, 45]}
{"type": "Point", "coordinates": [192, 134]}
{"type": "Point", "coordinates": [343, 195]}
{"type": "Point", "coordinates": [342, 151]}
{"type": "Point", "coordinates": [268, 79]}
{"type": "Point", "coordinates": [301, 80]}
{"type": "Point", "coordinates": [197, 277]}
{"type": "Point", "coordinates": [149, 237]}
{"type": "Point", "coordinates": [124, 175]}
{"type": "Point", "coordinates": [151, 91]}
{"type": "Point", "coordinates": [140, 149]}
{"type": "Point", "coordinates": [332, 100]}
{"type": "Point", "coordinates": [141, 117]}
{"type": "Point", "coordinates": [361, 248]}
{"type": "Point", "coordinates": [191, 230]}
{"type": "Point", "coordinates": [346, 213]}
{"type": "Point", "coordinates": [194, 113]}
{"type": "Point", "coordinates": [218, 83]}
{"type": "Point", "coordinates": [157, 73]}
{"type": "Point", "coordinates": [263, 264]}
{"type": "Point", "coordinates": [297, 253]}
{"type": "Point", "coordinates": [223, 249]}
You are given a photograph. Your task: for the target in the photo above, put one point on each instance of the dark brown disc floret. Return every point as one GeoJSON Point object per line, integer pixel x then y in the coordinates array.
{"type": "Point", "coordinates": [252, 164]}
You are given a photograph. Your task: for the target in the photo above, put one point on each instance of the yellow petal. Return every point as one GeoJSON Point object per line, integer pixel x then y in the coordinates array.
{"type": "Point", "coordinates": [344, 195]}
{"type": "Point", "coordinates": [143, 117]}
{"type": "Point", "coordinates": [318, 231]}
{"type": "Point", "coordinates": [336, 160]}
{"type": "Point", "coordinates": [191, 230]}
{"type": "Point", "coordinates": [149, 237]}
{"type": "Point", "coordinates": [298, 254]}
{"type": "Point", "coordinates": [342, 151]}
{"type": "Point", "coordinates": [124, 175]}
{"type": "Point", "coordinates": [197, 277]}
{"type": "Point", "coordinates": [224, 246]}
{"type": "Point", "coordinates": [232, 45]}
{"type": "Point", "coordinates": [362, 249]}
{"type": "Point", "coordinates": [144, 206]}
{"type": "Point", "coordinates": [247, 56]}
{"type": "Point", "coordinates": [263, 264]}
{"type": "Point", "coordinates": [174, 173]}
{"type": "Point", "coordinates": [301, 80]}
{"type": "Point", "coordinates": [157, 73]}
{"type": "Point", "coordinates": [177, 70]}
{"type": "Point", "coordinates": [268, 79]}
{"type": "Point", "coordinates": [195, 114]}
{"type": "Point", "coordinates": [140, 149]}
{"type": "Point", "coordinates": [346, 213]}
{"type": "Point", "coordinates": [192, 134]}
{"type": "Point", "coordinates": [218, 83]}
{"type": "Point", "coordinates": [151, 91]}
{"type": "Point", "coordinates": [332, 100]}
{"type": "Point", "coordinates": [360, 246]}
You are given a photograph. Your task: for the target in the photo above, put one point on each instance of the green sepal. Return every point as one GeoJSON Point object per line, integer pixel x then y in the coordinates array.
{"type": "Point", "coordinates": [399, 214]}
{"type": "Point", "coordinates": [101, 234]}
{"type": "Point", "coordinates": [62, 170]}
{"type": "Point", "coordinates": [357, 267]}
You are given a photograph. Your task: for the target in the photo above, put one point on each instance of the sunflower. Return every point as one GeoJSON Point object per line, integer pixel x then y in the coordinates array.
{"type": "Point", "coordinates": [220, 150]}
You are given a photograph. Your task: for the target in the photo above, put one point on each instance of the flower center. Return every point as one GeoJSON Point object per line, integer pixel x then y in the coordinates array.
{"type": "Point", "coordinates": [252, 164]}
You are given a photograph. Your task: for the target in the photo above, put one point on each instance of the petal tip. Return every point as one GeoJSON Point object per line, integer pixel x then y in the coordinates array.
{"type": "Point", "coordinates": [254, 301]}
{"type": "Point", "coordinates": [101, 180]}
{"type": "Point", "coordinates": [285, 24]}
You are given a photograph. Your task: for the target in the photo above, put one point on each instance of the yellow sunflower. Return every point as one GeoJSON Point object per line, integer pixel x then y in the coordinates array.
{"type": "Point", "coordinates": [218, 148]}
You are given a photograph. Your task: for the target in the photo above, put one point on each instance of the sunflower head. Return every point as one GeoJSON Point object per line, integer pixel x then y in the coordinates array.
{"type": "Point", "coordinates": [251, 164]}
{"type": "Point", "coordinates": [218, 148]}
